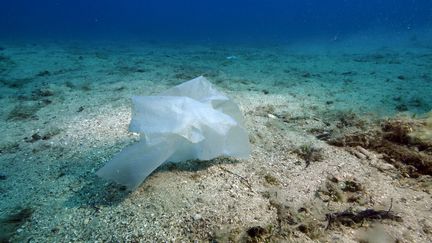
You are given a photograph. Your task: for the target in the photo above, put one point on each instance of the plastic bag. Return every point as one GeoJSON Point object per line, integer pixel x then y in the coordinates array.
{"type": "Point", "coordinates": [189, 121]}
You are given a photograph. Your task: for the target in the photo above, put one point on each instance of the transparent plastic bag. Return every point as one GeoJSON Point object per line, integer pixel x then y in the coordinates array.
{"type": "Point", "coordinates": [189, 121]}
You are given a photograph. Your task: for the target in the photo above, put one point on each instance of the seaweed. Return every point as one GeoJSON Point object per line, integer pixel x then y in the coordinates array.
{"type": "Point", "coordinates": [393, 153]}
{"type": "Point", "coordinates": [309, 153]}
{"type": "Point", "coordinates": [15, 83]}
{"type": "Point", "coordinates": [43, 73]}
{"type": "Point", "coordinates": [10, 223]}
{"type": "Point", "coordinates": [256, 231]}
{"type": "Point", "coordinates": [263, 110]}
{"type": "Point", "coordinates": [342, 191]}
{"type": "Point", "coordinates": [304, 219]}
{"type": "Point", "coordinates": [378, 58]}
{"type": "Point", "coordinates": [271, 180]}
{"type": "Point", "coordinates": [401, 77]}
{"type": "Point", "coordinates": [422, 133]}
{"type": "Point", "coordinates": [126, 70]}
{"type": "Point", "coordinates": [241, 178]}
{"type": "Point", "coordinates": [6, 63]}
{"type": "Point", "coordinates": [349, 119]}
{"type": "Point", "coordinates": [9, 147]}
{"type": "Point", "coordinates": [70, 84]}
{"type": "Point", "coordinates": [47, 135]}
{"type": "Point", "coordinates": [43, 92]}
{"type": "Point", "coordinates": [86, 86]}
{"type": "Point", "coordinates": [24, 111]}
{"type": "Point", "coordinates": [404, 142]}
{"type": "Point", "coordinates": [353, 219]}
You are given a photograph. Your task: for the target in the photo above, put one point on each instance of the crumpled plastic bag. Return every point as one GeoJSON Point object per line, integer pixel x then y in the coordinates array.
{"type": "Point", "coordinates": [189, 121]}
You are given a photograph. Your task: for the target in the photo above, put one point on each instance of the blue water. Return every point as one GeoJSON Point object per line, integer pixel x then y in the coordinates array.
{"type": "Point", "coordinates": [212, 20]}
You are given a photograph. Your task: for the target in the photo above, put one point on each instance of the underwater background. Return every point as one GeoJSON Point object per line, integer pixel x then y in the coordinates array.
{"type": "Point", "coordinates": [336, 99]}
{"type": "Point", "coordinates": [211, 20]}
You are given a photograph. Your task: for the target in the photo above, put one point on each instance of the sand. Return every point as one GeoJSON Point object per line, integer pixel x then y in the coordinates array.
{"type": "Point", "coordinates": [66, 107]}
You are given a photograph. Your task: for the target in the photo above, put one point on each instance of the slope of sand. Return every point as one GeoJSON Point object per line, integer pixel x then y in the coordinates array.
{"type": "Point", "coordinates": [66, 107]}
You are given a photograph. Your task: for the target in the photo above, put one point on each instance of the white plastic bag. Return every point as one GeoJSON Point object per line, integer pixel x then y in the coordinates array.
{"type": "Point", "coordinates": [189, 121]}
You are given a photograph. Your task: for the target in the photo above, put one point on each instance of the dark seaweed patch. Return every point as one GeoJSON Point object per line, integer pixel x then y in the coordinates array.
{"type": "Point", "coordinates": [256, 231]}
{"type": "Point", "coordinates": [24, 111]}
{"type": "Point", "coordinates": [352, 219]}
{"type": "Point", "coordinates": [15, 83]}
{"type": "Point", "coordinates": [309, 153]}
{"type": "Point", "coordinates": [10, 223]}
{"type": "Point", "coordinates": [342, 191]}
{"type": "Point", "coordinates": [125, 70]}
{"type": "Point", "coordinates": [271, 180]}
{"type": "Point", "coordinates": [9, 148]}
{"type": "Point", "coordinates": [403, 143]}
{"type": "Point", "coordinates": [303, 220]}
{"type": "Point", "coordinates": [42, 92]}
{"type": "Point", "coordinates": [48, 134]}
{"type": "Point", "coordinates": [6, 64]}
{"type": "Point", "coordinates": [43, 73]}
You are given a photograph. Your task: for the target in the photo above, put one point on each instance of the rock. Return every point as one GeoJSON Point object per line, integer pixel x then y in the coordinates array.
{"type": "Point", "coordinates": [271, 116]}
{"type": "Point", "coordinates": [358, 154]}
{"type": "Point", "coordinates": [197, 217]}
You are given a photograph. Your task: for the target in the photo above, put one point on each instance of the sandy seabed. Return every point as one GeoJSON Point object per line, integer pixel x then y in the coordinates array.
{"type": "Point", "coordinates": [65, 109]}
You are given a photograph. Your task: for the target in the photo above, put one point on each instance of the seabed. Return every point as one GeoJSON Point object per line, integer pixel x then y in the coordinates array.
{"type": "Point", "coordinates": [65, 110]}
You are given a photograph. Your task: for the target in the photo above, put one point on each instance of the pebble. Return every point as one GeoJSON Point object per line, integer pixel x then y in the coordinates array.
{"type": "Point", "coordinates": [358, 154]}
{"type": "Point", "coordinates": [197, 216]}
{"type": "Point", "coordinates": [271, 116]}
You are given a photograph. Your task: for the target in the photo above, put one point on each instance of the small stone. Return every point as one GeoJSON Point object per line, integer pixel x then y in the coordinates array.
{"type": "Point", "coordinates": [271, 116]}
{"type": "Point", "coordinates": [358, 154]}
{"type": "Point", "coordinates": [197, 217]}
